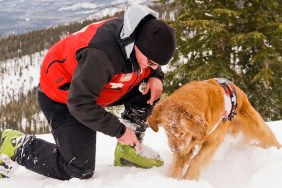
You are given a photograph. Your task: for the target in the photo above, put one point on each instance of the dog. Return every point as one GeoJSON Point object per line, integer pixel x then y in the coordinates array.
{"type": "Point", "coordinates": [195, 121]}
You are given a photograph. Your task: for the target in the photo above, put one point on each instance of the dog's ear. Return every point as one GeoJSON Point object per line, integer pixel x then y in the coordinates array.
{"type": "Point", "coordinates": [197, 126]}
{"type": "Point", "coordinates": [154, 119]}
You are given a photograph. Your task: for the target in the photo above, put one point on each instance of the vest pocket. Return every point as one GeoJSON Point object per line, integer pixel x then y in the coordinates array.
{"type": "Point", "coordinates": [65, 86]}
{"type": "Point", "coordinates": [55, 61]}
{"type": "Point", "coordinates": [58, 73]}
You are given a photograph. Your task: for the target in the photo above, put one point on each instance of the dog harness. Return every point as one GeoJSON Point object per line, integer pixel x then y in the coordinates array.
{"type": "Point", "coordinates": [230, 101]}
{"type": "Point", "coordinates": [230, 98]}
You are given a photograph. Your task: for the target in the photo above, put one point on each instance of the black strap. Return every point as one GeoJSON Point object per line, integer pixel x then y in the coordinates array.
{"type": "Point", "coordinates": [124, 42]}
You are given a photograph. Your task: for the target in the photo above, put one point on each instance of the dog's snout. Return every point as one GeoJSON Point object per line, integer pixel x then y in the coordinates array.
{"type": "Point", "coordinates": [176, 149]}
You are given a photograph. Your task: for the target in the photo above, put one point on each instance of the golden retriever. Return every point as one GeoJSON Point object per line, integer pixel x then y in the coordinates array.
{"type": "Point", "coordinates": [192, 120]}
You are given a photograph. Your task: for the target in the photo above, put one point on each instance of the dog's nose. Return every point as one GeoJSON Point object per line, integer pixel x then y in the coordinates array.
{"type": "Point", "coordinates": [175, 150]}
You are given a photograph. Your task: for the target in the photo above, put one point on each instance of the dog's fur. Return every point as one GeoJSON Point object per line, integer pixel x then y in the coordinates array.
{"type": "Point", "coordinates": [191, 112]}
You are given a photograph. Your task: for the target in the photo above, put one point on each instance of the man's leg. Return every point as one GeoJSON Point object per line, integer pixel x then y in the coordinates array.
{"type": "Point", "coordinates": [136, 111]}
{"type": "Point", "coordinates": [73, 155]}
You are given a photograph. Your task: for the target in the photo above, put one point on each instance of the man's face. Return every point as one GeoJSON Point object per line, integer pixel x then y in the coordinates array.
{"type": "Point", "coordinates": [143, 61]}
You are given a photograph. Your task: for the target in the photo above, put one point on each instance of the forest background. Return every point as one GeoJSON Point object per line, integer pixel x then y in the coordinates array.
{"type": "Point", "coordinates": [240, 40]}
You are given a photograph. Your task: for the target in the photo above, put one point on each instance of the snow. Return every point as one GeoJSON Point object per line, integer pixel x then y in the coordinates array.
{"type": "Point", "coordinates": [233, 166]}
{"type": "Point", "coordinates": [19, 75]}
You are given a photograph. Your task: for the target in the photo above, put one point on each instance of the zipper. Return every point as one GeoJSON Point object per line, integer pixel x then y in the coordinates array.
{"type": "Point", "coordinates": [55, 61]}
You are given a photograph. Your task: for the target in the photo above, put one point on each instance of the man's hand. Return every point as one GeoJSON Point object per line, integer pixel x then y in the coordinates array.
{"type": "Point", "coordinates": [155, 85]}
{"type": "Point", "coordinates": [129, 138]}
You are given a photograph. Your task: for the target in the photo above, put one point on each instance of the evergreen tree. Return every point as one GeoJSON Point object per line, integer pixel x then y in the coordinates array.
{"type": "Point", "coordinates": [240, 40]}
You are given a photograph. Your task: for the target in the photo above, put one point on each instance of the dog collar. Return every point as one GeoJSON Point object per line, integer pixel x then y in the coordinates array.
{"type": "Point", "coordinates": [230, 98]}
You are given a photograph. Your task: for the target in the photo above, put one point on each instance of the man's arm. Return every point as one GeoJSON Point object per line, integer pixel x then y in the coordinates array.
{"type": "Point", "coordinates": [93, 71]}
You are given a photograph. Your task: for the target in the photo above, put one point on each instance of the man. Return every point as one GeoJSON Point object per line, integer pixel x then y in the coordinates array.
{"type": "Point", "coordinates": [104, 64]}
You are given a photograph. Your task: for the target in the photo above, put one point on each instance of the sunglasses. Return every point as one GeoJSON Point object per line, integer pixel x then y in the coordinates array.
{"type": "Point", "coordinates": [151, 63]}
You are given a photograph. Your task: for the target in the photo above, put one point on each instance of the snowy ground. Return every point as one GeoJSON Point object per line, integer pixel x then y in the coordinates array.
{"type": "Point", "coordinates": [234, 166]}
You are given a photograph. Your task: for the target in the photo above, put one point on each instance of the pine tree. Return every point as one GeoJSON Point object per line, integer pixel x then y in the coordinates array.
{"type": "Point", "coordinates": [240, 40]}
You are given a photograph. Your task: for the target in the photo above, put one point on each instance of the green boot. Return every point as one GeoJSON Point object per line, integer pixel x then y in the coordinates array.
{"type": "Point", "coordinates": [9, 142]}
{"type": "Point", "coordinates": [127, 156]}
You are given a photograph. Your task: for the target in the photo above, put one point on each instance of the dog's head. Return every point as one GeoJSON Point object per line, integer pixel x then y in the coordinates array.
{"type": "Point", "coordinates": [180, 126]}
{"type": "Point", "coordinates": [184, 129]}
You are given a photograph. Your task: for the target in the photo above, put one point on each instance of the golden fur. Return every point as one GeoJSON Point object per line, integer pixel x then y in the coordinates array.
{"type": "Point", "coordinates": [191, 112]}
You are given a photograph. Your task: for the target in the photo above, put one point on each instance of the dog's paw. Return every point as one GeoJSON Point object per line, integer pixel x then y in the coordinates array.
{"type": "Point", "coordinates": [175, 173]}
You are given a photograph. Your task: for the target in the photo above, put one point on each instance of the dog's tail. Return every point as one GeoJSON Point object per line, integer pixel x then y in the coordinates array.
{"type": "Point", "coordinates": [154, 119]}
{"type": "Point", "coordinates": [252, 124]}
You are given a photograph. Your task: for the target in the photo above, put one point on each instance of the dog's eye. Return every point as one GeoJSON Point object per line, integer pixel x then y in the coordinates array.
{"type": "Point", "coordinates": [181, 134]}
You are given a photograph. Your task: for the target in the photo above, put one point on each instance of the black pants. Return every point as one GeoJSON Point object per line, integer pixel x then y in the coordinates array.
{"type": "Point", "coordinates": [73, 155]}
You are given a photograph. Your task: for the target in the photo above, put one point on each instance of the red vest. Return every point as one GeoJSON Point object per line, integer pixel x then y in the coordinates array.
{"type": "Point", "coordinates": [60, 62]}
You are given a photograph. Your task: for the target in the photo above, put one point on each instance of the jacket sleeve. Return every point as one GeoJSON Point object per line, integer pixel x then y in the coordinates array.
{"type": "Point", "coordinates": [93, 71]}
{"type": "Point", "coordinates": [158, 73]}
